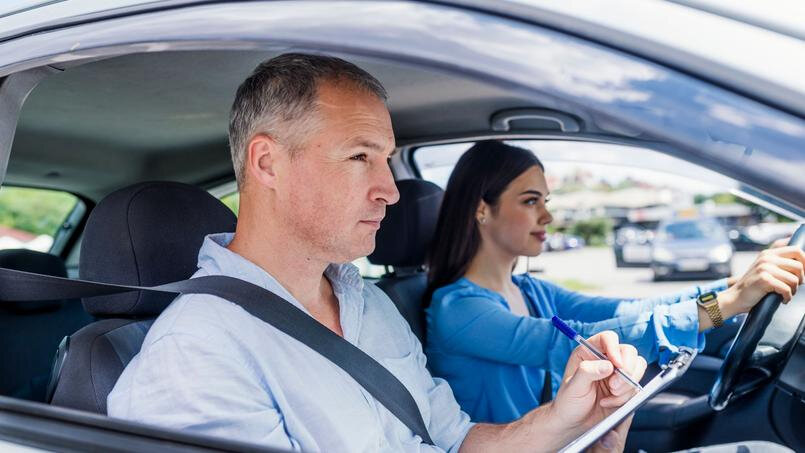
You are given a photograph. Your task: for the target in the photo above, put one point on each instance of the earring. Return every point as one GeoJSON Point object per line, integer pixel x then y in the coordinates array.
{"type": "Point", "coordinates": [482, 220]}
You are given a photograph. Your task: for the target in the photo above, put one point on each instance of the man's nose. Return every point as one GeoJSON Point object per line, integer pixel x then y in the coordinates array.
{"type": "Point", "coordinates": [384, 187]}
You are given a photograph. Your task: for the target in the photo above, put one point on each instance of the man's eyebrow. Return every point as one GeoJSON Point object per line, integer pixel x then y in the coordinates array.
{"type": "Point", "coordinates": [373, 146]}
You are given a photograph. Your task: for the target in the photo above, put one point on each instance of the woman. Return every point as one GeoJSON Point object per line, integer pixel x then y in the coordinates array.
{"type": "Point", "coordinates": [489, 332]}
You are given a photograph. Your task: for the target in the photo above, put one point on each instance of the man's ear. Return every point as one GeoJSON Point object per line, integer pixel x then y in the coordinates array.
{"type": "Point", "coordinates": [261, 159]}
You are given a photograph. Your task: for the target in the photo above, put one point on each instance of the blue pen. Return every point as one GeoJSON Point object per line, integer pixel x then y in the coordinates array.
{"type": "Point", "coordinates": [567, 330]}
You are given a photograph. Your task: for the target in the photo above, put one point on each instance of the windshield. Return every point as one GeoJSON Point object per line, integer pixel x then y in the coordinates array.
{"type": "Point", "coordinates": [691, 230]}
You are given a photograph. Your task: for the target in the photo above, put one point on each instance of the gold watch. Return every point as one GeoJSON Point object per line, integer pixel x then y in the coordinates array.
{"type": "Point", "coordinates": [709, 302]}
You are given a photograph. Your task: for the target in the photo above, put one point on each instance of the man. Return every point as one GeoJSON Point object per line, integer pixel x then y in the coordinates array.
{"type": "Point", "coordinates": [310, 139]}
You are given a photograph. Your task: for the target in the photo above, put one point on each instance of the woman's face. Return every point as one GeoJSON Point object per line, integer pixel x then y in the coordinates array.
{"type": "Point", "coordinates": [516, 226]}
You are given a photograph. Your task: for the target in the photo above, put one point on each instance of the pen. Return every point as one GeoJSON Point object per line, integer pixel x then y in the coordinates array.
{"type": "Point", "coordinates": [567, 330]}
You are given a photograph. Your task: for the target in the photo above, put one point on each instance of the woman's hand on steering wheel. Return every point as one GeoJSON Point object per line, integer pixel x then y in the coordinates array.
{"type": "Point", "coordinates": [778, 269]}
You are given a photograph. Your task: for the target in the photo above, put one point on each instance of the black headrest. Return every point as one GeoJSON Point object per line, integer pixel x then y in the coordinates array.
{"type": "Point", "coordinates": [147, 234]}
{"type": "Point", "coordinates": [408, 227]}
{"type": "Point", "coordinates": [32, 261]}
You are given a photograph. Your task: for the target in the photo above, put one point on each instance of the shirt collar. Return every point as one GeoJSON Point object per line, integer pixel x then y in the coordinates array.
{"type": "Point", "coordinates": [215, 258]}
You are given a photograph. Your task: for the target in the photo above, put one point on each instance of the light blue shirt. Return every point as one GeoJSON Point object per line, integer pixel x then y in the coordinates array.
{"type": "Point", "coordinates": [209, 367]}
{"type": "Point", "coordinates": [496, 360]}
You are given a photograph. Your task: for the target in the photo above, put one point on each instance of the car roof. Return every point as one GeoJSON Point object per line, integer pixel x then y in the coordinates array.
{"type": "Point", "coordinates": [165, 115]}
{"type": "Point", "coordinates": [757, 50]}
{"type": "Point", "coordinates": [140, 110]}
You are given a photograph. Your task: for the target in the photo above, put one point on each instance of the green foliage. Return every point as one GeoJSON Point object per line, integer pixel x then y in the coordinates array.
{"type": "Point", "coordinates": [725, 198]}
{"type": "Point", "coordinates": [232, 201]}
{"type": "Point", "coordinates": [594, 231]}
{"type": "Point", "coordinates": [34, 210]}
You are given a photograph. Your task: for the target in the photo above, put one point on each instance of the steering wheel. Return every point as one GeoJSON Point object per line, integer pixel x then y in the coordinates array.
{"type": "Point", "coordinates": [740, 355]}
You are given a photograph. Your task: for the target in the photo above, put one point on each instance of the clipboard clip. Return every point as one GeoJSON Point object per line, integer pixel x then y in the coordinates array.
{"type": "Point", "coordinates": [681, 361]}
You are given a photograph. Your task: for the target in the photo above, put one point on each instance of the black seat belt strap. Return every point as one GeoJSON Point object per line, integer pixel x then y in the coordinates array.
{"type": "Point", "coordinates": [260, 303]}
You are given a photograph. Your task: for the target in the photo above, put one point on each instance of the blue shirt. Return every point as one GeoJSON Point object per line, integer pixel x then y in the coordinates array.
{"type": "Point", "coordinates": [209, 367]}
{"type": "Point", "coordinates": [496, 361]}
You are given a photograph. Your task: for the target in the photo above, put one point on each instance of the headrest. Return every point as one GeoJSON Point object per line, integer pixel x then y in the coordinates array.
{"type": "Point", "coordinates": [147, 234]}
{"type": "Point", "coordinates": [409, 225]}
{"type": "Point", "coordinates": [37, 262]}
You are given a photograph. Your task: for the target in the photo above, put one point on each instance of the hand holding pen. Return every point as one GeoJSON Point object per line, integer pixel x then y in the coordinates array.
{"type": "Point", "coordinates": [573, 335]}
{"type": "Point", "coordinates": [591, 389]}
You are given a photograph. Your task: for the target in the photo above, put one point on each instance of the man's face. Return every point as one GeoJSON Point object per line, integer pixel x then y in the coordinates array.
{"type": "Point", "coordinates": [335, 189]}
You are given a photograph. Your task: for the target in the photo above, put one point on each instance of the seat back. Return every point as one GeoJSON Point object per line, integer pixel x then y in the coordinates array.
{"type": "Point", "coordinates": [402, 243]}
{"type": "Point", "coordinates": [146, 235]}
{"type": "Point", "coordinates": [31, 331]}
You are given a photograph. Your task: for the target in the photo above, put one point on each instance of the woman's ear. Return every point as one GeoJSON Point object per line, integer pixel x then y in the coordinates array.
{"type": "Point", "coordinates": [482, 213]}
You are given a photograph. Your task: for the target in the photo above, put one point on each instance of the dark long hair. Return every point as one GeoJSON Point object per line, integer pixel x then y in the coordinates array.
{"type": "Point", "coordinates": [482, 173]}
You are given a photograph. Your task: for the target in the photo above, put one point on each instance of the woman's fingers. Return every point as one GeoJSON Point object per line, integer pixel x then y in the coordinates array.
{"type": "Point", "coordinates": [779, 270]}
{"type": "Point", "coordinates": [794, 267]}
{"type": "Point", "coordinates": [779, 287]}
{"type": "Point", "coordinates": [791, 251]}
{"type": "Point", "coordinates": [787, 278]}
{"type": "Point", "coordinates": [782, 242]}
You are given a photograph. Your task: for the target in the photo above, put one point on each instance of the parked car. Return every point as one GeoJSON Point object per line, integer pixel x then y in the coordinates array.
{"type": "Point", "coordinates": [554, 242]}
{"type": "Point", "coordinates": [563, 241]}
{"type": "Point", "coordinates": [632, 246]}
{"type": "Point", "coordinates": [97, 96]}
{"type": "Point", "coordinates": [761, 235]}
{"type": "Point", "coordinates": [572, 241]}
{"type": "Point", "coordinates": [743, 241]}
{"type": "Point", "coordinates": [691, 249]}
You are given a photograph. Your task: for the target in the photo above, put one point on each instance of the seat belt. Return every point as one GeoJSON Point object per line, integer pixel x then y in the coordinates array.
{"type": "Point", "coordinates": [260, 303]}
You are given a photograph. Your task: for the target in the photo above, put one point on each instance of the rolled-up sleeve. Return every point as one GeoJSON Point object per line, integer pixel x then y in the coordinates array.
{"type": "Point", "coordinates": [463, 326]}
{"type": "Point", "coordinates": [581, 307]}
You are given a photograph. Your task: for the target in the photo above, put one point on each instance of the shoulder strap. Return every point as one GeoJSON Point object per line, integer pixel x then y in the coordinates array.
{"type": "Point", "coordinates": [260, 303]}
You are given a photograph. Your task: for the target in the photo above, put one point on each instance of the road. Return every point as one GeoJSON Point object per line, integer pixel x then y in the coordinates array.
{"type": "Point", "coordinates": [592, 270]}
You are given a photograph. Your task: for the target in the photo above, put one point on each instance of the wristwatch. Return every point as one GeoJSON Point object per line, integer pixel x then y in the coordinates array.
{"type": "Point", "coordinates": [709, 302]}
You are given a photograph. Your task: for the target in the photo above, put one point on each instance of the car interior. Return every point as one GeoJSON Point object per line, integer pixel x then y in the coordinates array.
{"type": "Point", "coordinates": [142, 140]}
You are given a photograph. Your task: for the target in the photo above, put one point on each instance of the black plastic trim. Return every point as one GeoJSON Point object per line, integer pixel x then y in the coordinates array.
{"type": "Point", "coordinates": [60, 429]}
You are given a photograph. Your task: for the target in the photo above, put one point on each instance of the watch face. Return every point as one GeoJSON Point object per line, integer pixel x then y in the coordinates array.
{"type": "Point", "coordinates": [709, 302]}
{"type": "Point", "coordinates": [707, 297]}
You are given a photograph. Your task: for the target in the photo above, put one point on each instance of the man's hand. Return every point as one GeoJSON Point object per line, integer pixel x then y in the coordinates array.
{"type": "Point", "coordinates": [591, 390]}
{"type": "Point", "coordinates": [776, 269]}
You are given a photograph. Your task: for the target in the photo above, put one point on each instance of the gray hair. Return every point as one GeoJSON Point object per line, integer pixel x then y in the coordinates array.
{"type": "Point", "coordinates": [279, 99]}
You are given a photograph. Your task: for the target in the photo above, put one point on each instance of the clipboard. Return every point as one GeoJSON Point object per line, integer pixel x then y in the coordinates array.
{"type": "Point", "coordinates": [671, 372]}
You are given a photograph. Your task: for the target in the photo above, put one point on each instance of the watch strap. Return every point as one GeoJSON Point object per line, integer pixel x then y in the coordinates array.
{"type": "Point", "coordinates": [709, 302]}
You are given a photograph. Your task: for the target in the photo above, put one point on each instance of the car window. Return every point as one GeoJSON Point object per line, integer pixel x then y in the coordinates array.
{"type": "Point", "coordinates": [691, 230]}
{"type": "Point", "coordinates": [614, 205]}
{"type": "Point", "coordinates": [367, 269]}
{"type": "Point", "coordinates": [34, 218]}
